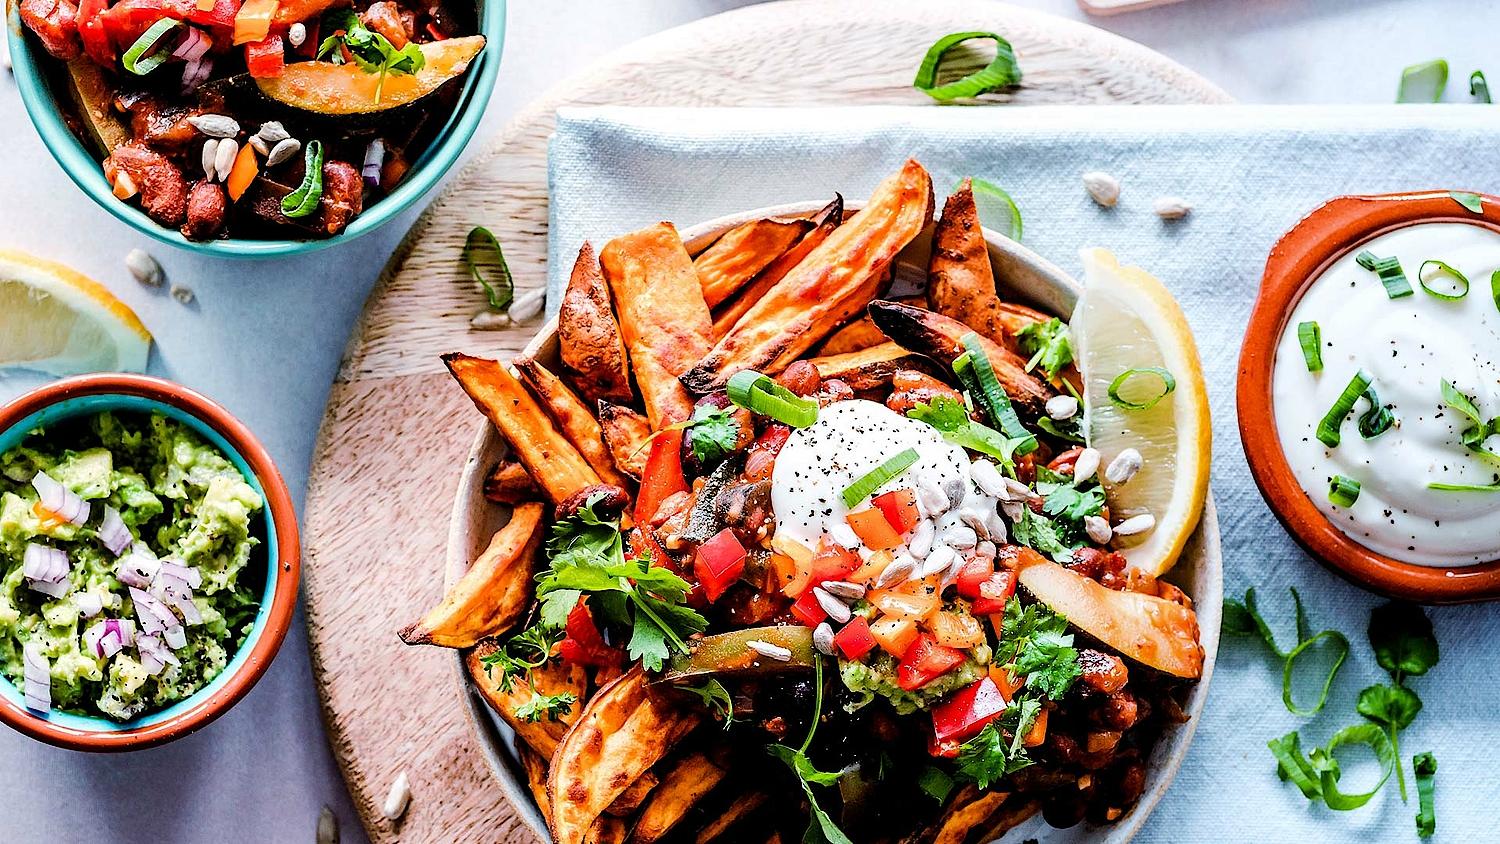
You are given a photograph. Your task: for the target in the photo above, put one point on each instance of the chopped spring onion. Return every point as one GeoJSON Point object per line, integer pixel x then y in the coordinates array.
{"type": "Point", "coordinates": [1423, 83]}
{"type": "Point", "coordinates": [1378, 419]}
{"type": "Point", "coordinates": [994, 205]}
{"type": "Point", "coordinates": [1168, 384]}
{"type": "Point", "coordinates": [861, 489]}
{"type": "Point", "coordinates": [973, 367]}
{"type": "Point", "coordinates": [135, 59]}
{"type": "Point", "coordinates": [1460, 281]}
{"type": "Point", "coordinates": [935, 784]}
{"type": "Point", "coordinates": [1425, 767]}
{"type": "Point", "coordinates": [759, 394]}
{"type": "Point", "coordinates": [1340, 645]}
{"type": "Point", "coordinates": [1328, 428]}
{"type": "Point", "coordinates": [1310, 337]}
{"type": "Point", "coordinates": [1479, 89]}
{"type": "Point", "coordinates": [1373, 737]}
{"type": "Point", "coordinates": [1495, 288]}
{"type": "Point", "coordinates": [1472, 201]}
{"type": "Point", "coordinates": [1343, 490]}
{"type": "Point", "coordinates": [1292, 764]}
{"type": "Point", "coordinates": [482, 257]}
{"type": "Point", "coordinates": [1389, 272]}
{"type": "Point", "coordinates": [304, 200]}
{"type": "Point", "coordinates": [1472, 437]}
{"type": "Point", "coordinates": [1000, 72]}
{"type": "Point", "coordinates": [1465, 487]}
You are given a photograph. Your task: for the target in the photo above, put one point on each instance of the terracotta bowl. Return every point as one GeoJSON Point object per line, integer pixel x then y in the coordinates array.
{"type": "Point", "coordinates": [1301, 255]}
{"type": "Point", "coordinates": [1028, 278]}
{"type": "Point", "coordinates": [276, 564]}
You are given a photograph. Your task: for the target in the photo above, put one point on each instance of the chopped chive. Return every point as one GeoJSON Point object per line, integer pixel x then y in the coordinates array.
{"type": "Point", "coordinates": [1445, 487]}
{"type": "Point", "coordinates": [1378, 419]}
{"type": "Point", "coordinates": [1495, 288]}
{"type": "Point", "coordinates": [1389, 272]}
{"type": "Point", "coordinates": [1000, 72]}
{"type": "Point", "coordinates": [993, 204]}
{"type": "Point", "coordinates": [1310, 337]}
{"type": "Point", "coordinates": [1423, 83]}
{"type": "Point", "coordinates": [1472, 201]}
{"type": "Point", "coordinates": [935, 783]}
{"type": "Point", "coordinates": [1424, 765]}
{"type": "Point", "coordinates": [1460, 281]}
{"type": "Point", "coordinates": [482, 256]}
{"type": "Point", "coordinates": [1479, 89]}
{"type": "Point", "coordinates": [1343, 490]}
{"type": "Point", "coordinates": [758, 393]}
{"type": "Point", "coordinates": [973, 367]}
{"type": "Point", "coordinates": [135, 59]}
{"type": "Point", "coordinates": [303, 201]}
{"type": "Point", "coordinates": [871, 481]}
{"type": "Point", "coordinates": [1472, 437]}
{"type": "Point", "coordinates": [1328, 428]}
{"type": "Point", "coordinates": [1168, 384]}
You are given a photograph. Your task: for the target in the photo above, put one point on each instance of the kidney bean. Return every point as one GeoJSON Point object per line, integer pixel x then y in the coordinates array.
{"type": "Point", "coordinates": [55, 23]}
{"type": "Point", "coordinates": [910, 388]}
{"type": "Point", "coordinates": [801, 378]}
{"type": "Point", "coordinates": [1063, 463]}
{"type": "Point", "coordinates": [612, 502]}
{"type": "Point", "coordinates": [343, 195]}
{"type": "Point", "coordinates": [163, 189]}
{"type": "Point", "coordinates": [1101, 671]}
{"type": "Point", "coordinates": [206, 209]}
{"type": "Point", "coordinates": [384, 17]}
{"type": "Point", "coordinates": [1117, 711]}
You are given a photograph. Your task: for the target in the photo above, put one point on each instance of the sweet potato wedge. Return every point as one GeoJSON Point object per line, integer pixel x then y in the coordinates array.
{"type": "Point", "coordinates": [684, 785]}
{"type": "Point", "coordinates": [510, 483]}
{"type": "Point", "coordinates": [631, 798]}
{"type": "Point", "coordinates": [625, 432]}
{"type": "Point", "coordinates": [493, 594]}
{"type": "Point", "coordinates": [939, 337]}
{"type": "Point", "coordinates": [969, 809]}
{"type": "Point", "coordinates": [868, 369]}
{"type": "Point", "coordinates": [570, 413]}
{"type": "Point", "coordinates": [608, 830]}
{"type": "Point", "coordinates": [552, 678]}
{"type": "Point", "coordinates": [535, 766]}
{"type": "Point", "coordinates": [663, 317]}
{"type": "Point", "coordinates": [741, 808]}
{"type": "Point", "coordinates": [960, 278]}
{"type": "Point", "coordinates": [534, 438]}
{"type": "Point", "coordinates": [589, 335]}
{"type": "Point", "coordinates": [742, 252]}
{"type": "Point", "coordinates": [829, 286]}
{"type": "Point", "coordinates": [623, 731]}
{"type": "Point", "coordinates": [823, 224]}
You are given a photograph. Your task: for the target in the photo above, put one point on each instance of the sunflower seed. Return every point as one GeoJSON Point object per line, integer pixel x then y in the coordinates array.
{"type": "Point", "coordinates": [215, 125]}
{"type": "Point", "coordinates": [1104, 188]}
{"type": "Point", "coordinates": [897, 572]}
{"type": "Point", "coordinates": [770, 651]}
{"type": "Point", "coordinates": [1123, 467]}
{"type": "Point", "coordinates": [920, 543]}
{"type": "Point", "coordinates": [397, 799]}
{"type": "Point", "coordinates": [273, 131]}
{"type": "Point", "coordinates": [844, 589]}
{"type": "Point", "coordinates": [836, 609]}
{"type": "Point", "coordinates": [260, 145]}
{"type": "Point", "coordinates": [939, 560]}
{"type": "Point", "coordinates": [284, 150]}
{"type": "Point", "coordinates": [931, 499]}
{"type": "Point", "coordinates": [144, 267]}
{"type": "Point", "coordinates": [823, 638]}
{"type": "Point", "coordinates": [1098, 529]}
{"type": "Point", "coordinates": [1135, 525]}
{"type": "Point", "coordinates": [960, 536]}
{"type": "Point", "coordinates": [224, 158]}
{"type": "Point", "coordinates": [844, 536]}
{"type": "Point", "coordinates": [1171, 207]}
{"type": "Point", "coordinates": [986, 549]}
{"type": "Point", "coordinates": [988, 478]}
{"type": "Point", "coordinates": [328, 827]}
{"type": "Point", "coordinates": [977, 518]}
{"type": "Point", "coordinates": [296, 34]}
{"type": "Point", "coordinates": [1018, 491]}
{"type": "Point", "coordinates": [1012, 510]}
{"type": "Point", "coordinates": [488, 320]}
{"type": "Point", "coordinates": [183, 294]}
{"type": "Point", "coordinates": [1062, 407]}
{"type": "Point", "coordinates": [210, 158]}
{"type": "Point", "coordinates": [1086, 465]}
{"type": "Point", "coordinates": [998, 531]}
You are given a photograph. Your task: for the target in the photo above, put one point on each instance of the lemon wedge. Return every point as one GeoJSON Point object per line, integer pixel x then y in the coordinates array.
{"type": "Point", "coordinates": [60, 322]}
{"type": "Point", "coordinates": [1127, 320]}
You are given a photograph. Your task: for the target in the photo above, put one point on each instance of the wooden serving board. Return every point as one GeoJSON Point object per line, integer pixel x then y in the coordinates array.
{"type": "Point", "coordinates": [396, 431]}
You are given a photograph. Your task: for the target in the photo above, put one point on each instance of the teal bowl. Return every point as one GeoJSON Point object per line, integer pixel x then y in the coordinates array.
{"type": "Point", "coordinates": [277, 560]}
{"type": "Point", "coordinates": [85, 170]}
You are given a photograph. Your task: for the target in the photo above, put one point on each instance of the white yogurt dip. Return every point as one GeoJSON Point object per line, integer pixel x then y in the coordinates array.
{"type": "Point", "coordinates": [1409, 346]}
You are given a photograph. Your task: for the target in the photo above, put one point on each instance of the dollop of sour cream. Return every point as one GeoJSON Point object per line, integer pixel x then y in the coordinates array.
{"type": "Point", "coordinates": [849, 440]}
{"type": "Point", "coordinates": [1409, 346]}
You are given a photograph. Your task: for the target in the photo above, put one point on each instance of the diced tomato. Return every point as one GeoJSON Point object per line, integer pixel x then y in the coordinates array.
{"type": "Point", "coordinates": [855, 639]}
{"type": "Point", "coordinates": [873, 530]}
{"type": "Point", "coordinates": [964, 714]}
{"type": "Point", "coordinates": [1007, 682]}
{"type": "Point", "coordinates": [973, 573]}
{"type": "Point", "coordinates": [220, 15]}
{"type": "Point", "coordinates": [872, 568]}
{"type": "Point", "coordinates": [894, 635]}
{"type": "Point", "coordinates": [926, 661]}
{"type": "Point", "coordinates": [900, 509]}
{"type": "Point", "coordinates": [266, 58]}
{"type": "Point", "coordinates": [662, 477]}
{"type": "Point", "coordinates": [91, 31]}
{"type": "Point", "coordinates": [583, 645]}
{"type": "Point", "coordinates": [957, 630]}
{"type": "Point", "coordinates": [720, 561]}
{"type": "Point", "coordinates": [910, 600]}
{"type": "Point", "coordinates": [994, 593]}
{"type": "Point", "coordinates": [807, 609]}
{"type": "Point", "coordinates": [832, 562]}
{"type": "Point", "coordinates": [126, 21]}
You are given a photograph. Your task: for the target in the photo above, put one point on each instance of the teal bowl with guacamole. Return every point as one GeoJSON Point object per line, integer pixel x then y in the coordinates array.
{"type": "Point", "coordinates": [150, 561]}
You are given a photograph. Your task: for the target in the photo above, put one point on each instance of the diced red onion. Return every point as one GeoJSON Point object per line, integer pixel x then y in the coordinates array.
{"type": "Point", "coordinates": [195, 73]}
{"type": "Point", "coordinates": [155, 616]}
{"type": "Point", "coordinates": [89, 604]}
{"type": "Point", "coordinates": [124, 628]}
{"type": "Point", "coordinates": [37, 678]}
{"type": "Point", "coordinates": [53, 590]}
{"type": "Point", "coordinates": [176, 637]}
{"type": "Point", "coordinates": [92, 637]}
{"type": "Point", "coordinates": [187, 574]}
{"type": "Point", "coordinates": [374, 160]}
{"type": "Point", "coordinates": [113, 532]}
{"type": "Point", "coordinates": [106, 638]}
{"type": "Point", "coordinates": [152, 653]}
{"type": "Point", "coordinates": [58, 499]}
{"type": "Point", "coordinates": [192, 46]}
{"type": "Point", "coordinates": [41, 564]}
{"type": "Point", "coordinates": [137, 568]}
{"type": "Point", "coordinates": [174, 591]}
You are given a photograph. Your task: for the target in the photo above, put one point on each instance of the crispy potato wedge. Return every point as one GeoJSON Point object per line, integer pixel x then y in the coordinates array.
{"type": "Point", "coordinates": [608, 830]}
{"type": "Point", "coordinates": [1011, 815]}
{"type": "Point", "coordinates": [823, 224]}
{"type": "Point", "coordinates": [829, 286]}
{"type": "Point", "coordinates": [741, 808]}
{"type": "Point", "coordinates": [625, 432]}
{"type": "Point", "coordinates": [631, 798]}
{"type": "Point", "coordinates": [493, 594]}
{"type": "Point", "coordinates": [969, 809]}
{"type": "Point", "coordinates": [742, 252]}
{"type": "Point", "coordinates": [869, 369]}
{"type": "Point", "coordinates": [663, 317]}
{"type": "Point", "coordinates": [510, 483]}
{"type": "Point", "coordinates": [623, 731]}
{"type": "Point", "coordinates": [553, 678]}
{"type": "Point", "coordinates": [939, 337]}
{"type": "Point", "coordinates": [535, 766]}
{"type": "Point", "coordinates": [684, 785]}
{"type": "Point", "coordinates": [861, 333]}
{"type": "Point", "coordinates": [960, 278]}
{"type": "Point", "coordinates": [534, 439]}
{"type": "Point", "coordinates": [589, 335]}
{"type": "Point", "coordinates": [570, 413]}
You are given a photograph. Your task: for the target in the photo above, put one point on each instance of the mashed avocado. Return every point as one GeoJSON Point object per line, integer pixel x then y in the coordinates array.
{"type": "Point", "coordinates": [879, 678]}
{"type": "Point", "coordinates": [188, 511]}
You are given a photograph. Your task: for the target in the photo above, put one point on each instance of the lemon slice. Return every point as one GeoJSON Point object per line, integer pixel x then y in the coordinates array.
{"type": "Point", "coordinates": [57, 321]}
{"type": "Point", "coordinates": [1126, 320]}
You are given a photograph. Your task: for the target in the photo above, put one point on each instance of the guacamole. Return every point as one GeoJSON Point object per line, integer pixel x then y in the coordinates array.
{"type": "Point", "coordinates": [148, 605]}
{"type": "Point", "coordinates": [879, 678]}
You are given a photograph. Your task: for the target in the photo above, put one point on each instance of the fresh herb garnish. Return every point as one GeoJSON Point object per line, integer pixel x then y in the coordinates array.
{"type": "Point", "coordinates": [822, 828]}
{"type": "Point", "coordinates": [1168, 384]}
{"type": "Point", "coordinates": [1424, 765]}
{"type": "Point", "coordinates": [975, 372]}
{"type": "Point", "coordinates": [999, 73]}
{"type": "Point", "coordinates": [989, 756]}
{"type": "Point", "coordinates": [1393, 708]}
{"type": "Point", "coordinates": [482, 258]}
{"type": "Point", "coordinates": [1377, 419]}
{"type": "Point", "coordinates": [551, 707]}
{"type": "Point", "coordinates": [1070, 429]}
{"type": "Point", "coordinates": [1037, 531]}
{"type": "Point", "coordinates": [1333, 420]}
{"type": "Point", "coordinates": [1343, 490]}
{"type": "Point", "coordinates": [1475, 434]}
{"type": "Point", "coordinates": [714, 697]}
{"type": "Point", "coordinates": [1403, 641]}
{"type": "Point", "coordinates": [952, 420]}
{"type": "Point", "coordinates": [303, 201]}
{"type": "Point", "coordinates": [760, 394]}
{"type": "Point", "coordinates": [994, 206]}
{"type": "Point", "coordinates": [1443, 269]}
{"type": "Point", "coordinates": [1310, 338]}
{"type": "Point", "coordinates": [712, 433]}
{"type": "Point", "coordinates": [935, 783]}
{"type": "Point", "coordinates": [1317, 774]}
{"type": "Point", "coordinates": [1050, 344]}
{"type": "Point", "coordinates": [1389, 271]}
{"type": "Point", "coordinates": [1423, 83]}
{"type": "Point", "coordinates": [1245, 618]}
{"type": "Point", "coordinates": [373, 52]}
{"type": "Point", "coordinates": [521, 654]}
{"type": "Point", "coordinates": [1040, 647]}
{"type": "Point", "coordinates": [872, 480]}
{"type": "Point", "coordinates": [1479, 89]}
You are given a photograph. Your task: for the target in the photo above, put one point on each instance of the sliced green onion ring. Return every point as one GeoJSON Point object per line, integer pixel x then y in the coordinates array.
{"type": "Point", "coordinates": [1472, 201]}
{"type": "Point", "coordinates": [1495, 288]}
{"type": "Point", "coordinates": [1372, 737]}
{"type": "Point", "coordinates": [135, 59]}
{"type": "Point", "coordinates": [1000, 72]}
{"type": "Point", "coordinates": [1479, 88]}
{"type": "Point", "coordinates": [304, 200]}
{"type": "Point", "coordinates": [861, 489]}
{"type": "Point", "coordinates": [482, 256]}
{"type": "Point", "coordinates": [1339, 643]}
{"type": "Point", "coordinates": [1168, 384]}
{"type": "Point", "coordinates": [1292, 764]}
{"type": "Point", "coordinates": [1423, 83]}
{"type": "Point", "coordinates": [1424, 765]}
{"type": "Point", "coordinates": [1343, 491]}
{"type": "Point", "coordinates": [1310, 338]}
{"type": "Point", "coordinates": [989, 392]}
{"type": "Point", "coordinates": [757, 393]}
{"type": "Point", "coordinates": [1328, 427]}
{"type": "Point", "coordinates": [1389, 271]}
{"type": "Point", "coordinates": [1460, 280]}
{"type": "Point", "coordinates": [1446, 487]}
{"type": "Point", "coordinates": [1378, 419]}
{"type": "Point", "coordinates": [1473, 437]}
{"type": "Point", "coordinates": [991, 203]}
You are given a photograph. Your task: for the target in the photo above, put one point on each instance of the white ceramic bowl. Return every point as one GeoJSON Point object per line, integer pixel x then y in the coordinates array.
{"type": "Point", "coordinates": [1024, 277]}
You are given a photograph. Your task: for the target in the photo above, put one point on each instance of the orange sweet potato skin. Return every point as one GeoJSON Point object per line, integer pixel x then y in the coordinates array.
{"type": "Point", "coordinates": [589, 335]}
{"type": "Point", "coordinates": [823, 224]}
{"type": "Point", "coordinates": [742, 252]}
{"type": "Point", "coordinates": [829, 286]}
{"type": "Point", "coordinates": [577, 423]}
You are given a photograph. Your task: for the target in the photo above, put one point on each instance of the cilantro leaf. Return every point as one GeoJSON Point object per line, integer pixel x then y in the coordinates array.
{"type": "Point", "coordinates": [1050, 345]}
{"type": "Point", "coordinates": [822, 829]}
{"type": "Point", "coordinates": [714, 697]}
{"type": "Point", "coordinates": [551, 707]}
{"type": "Point", "coordinates": [1040, 647]}
{"type": "Point", "coordinates": [952, 420]}
{"type": "Point", "coordinates": [988, 757]}
{"type": "Point", "coordinates": [1403, 640]}
{"type": "Point", "coordinates": [519, 655]}
{"type": "Point", "coordinates": [371, 51]}
{"type": "Point", "coordinates": [1069, 502]}
{"type": "Point", "coordinates": [1039, 532]}
{"type": "Point", "coordinates": [712, 434]}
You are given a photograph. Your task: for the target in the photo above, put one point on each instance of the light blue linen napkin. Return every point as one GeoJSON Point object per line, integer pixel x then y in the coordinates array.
{"type": "Point", "coordinates": [1250, 173]}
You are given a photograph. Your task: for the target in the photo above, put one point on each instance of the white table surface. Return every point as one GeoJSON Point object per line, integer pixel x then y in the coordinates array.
{"type": "Point", "coordinates": [264, 339]}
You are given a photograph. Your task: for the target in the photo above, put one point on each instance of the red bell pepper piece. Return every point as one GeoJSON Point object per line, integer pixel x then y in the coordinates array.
{"type": "Point", "coordinates": [832, 562]}
{"type": "Point", "coordinates": [267, 58]}
{"type": "Point", "coordinates": [221, 16]}
{"type": "Point", "coordinates": [807, 609]}
{"type": "Point", "coordinates": [720, 562]}
{"type": "Point", "coordinates": [662, 477]}
{"type": "Point", "coordinates": [973, 573]}
{"type": "Point", "coordinates": [583, 645]}
{"type": "Point", "coordinates": [994, 593]}
{"type": "Point", "coordinates": [437, 34]}
{"type": "Point", "coordinates": [855, 639]}
{"type": "Point", "coordinates": [91, 31]}
{"type": "Point", "coordinates": [128, 20]}
{"type": "Point", "coordinates": [926, 661]}
{"type": "Point", "coordinates": [962, 716]}
{"type": "Point", "coordinates": [900, 509]}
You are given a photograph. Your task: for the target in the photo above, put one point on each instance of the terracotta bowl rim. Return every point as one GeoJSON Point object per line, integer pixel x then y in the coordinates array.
{"type": "Point", "coordinates": [1300, 256]}
{"type": "Point", "coordinates": [201, 708]}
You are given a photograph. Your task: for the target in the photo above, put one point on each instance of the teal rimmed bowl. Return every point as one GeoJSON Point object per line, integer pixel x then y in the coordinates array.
{"type": "Point", "coordinates": [86, 171]}
{"type": "Point", "coordinates": [278, 563]}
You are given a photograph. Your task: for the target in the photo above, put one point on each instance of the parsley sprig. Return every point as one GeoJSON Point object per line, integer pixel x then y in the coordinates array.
{"type": "Point", "coordinates": [373, 52]}
{"type": "Point", "coordinates": [714, 697]}
{"type": "Point", "coordinates": [1050, 344]}
{"type": "Point", "coordinates": [952, 420]}
{"type": "Point", "coordinates": [822, 829]}
{"type": "Point", "coordinates": [551, 707]}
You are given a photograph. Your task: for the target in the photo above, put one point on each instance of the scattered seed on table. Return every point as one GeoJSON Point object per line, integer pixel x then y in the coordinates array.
{"type": "Point", "coordinates": [398, 798]}
{"type": "Point", "coordinates": [1104, 188]}
{"type": "Point", "coordinates": [183, 294]}
{"type": "Point", "coordinates": [144, 268]}
{"type": "Point", "coordinates": [328, 827]}
{"type": "Point", "coordinates": [1171, 207]}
